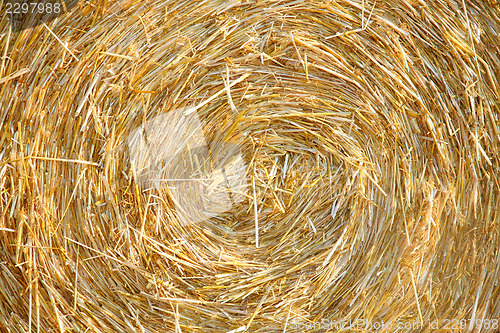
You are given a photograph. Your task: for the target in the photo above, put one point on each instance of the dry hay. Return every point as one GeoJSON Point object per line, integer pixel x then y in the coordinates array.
{"type": "Point", "coordinates": [369, 132]}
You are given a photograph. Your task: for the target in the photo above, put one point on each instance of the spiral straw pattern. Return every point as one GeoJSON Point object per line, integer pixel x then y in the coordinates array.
{"type": "Point", "coordinates": [365, 188]}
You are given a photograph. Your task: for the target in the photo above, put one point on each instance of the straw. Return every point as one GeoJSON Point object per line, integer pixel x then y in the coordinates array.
{"type": "Point", "coordinates": [242, 166]}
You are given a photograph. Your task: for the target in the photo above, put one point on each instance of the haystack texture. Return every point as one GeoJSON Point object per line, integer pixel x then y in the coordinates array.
{"type": "Point", "coordinates": [369, 132]}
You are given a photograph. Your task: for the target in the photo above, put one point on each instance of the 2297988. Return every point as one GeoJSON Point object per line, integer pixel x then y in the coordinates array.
{"type": "Point", "coordinates": [455, 324]}
{"type": "Point", "coordinates": [26, 14]}
{"type": "Point", "coordinates": [33, 7]}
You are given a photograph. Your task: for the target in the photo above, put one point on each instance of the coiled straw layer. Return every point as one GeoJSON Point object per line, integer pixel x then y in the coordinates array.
{"type": "Point", "coordinates": [370, 135]}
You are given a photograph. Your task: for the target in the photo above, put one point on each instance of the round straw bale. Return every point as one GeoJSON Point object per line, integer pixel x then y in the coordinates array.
{"type": "Point", "coordinates": [259, 166]}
